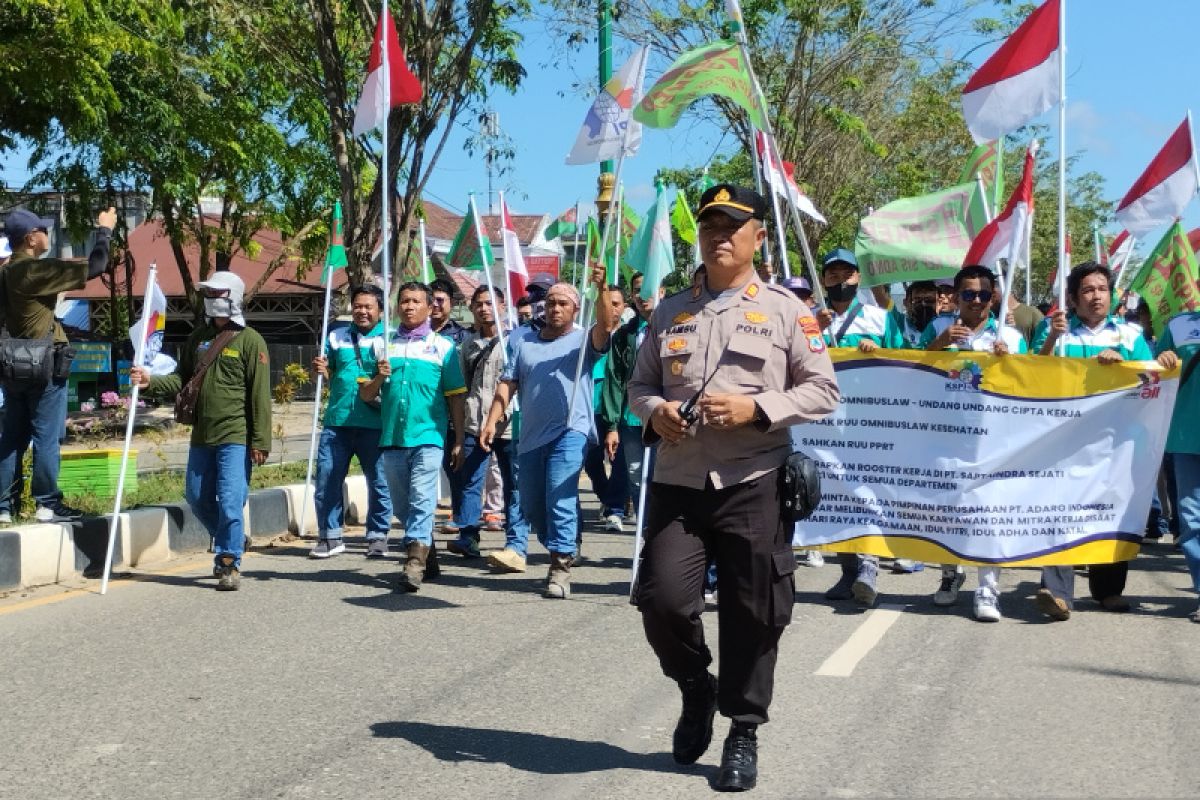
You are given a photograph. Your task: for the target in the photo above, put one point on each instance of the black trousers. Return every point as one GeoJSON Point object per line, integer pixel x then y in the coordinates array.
{"type": "Point", "coordinates": [1104, 580]}
{"type": "Point", "coordinates": [739, 527]}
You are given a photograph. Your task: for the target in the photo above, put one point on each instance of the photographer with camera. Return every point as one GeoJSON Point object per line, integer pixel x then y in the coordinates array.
{"type": "Point", "coordinates": [35, 358]}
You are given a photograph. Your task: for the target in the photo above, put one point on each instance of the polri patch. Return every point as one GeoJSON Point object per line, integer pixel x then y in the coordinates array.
{"type": "Point", "coordinates": [809, 326]}
{"type": "Point", "coordinates": [675, 345]}
{"type": "Point", "coordinates": [681, 318]}
{"type": "Point", "coordinates": [756, 317]}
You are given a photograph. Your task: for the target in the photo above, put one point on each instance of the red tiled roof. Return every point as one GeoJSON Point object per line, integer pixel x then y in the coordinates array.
{"type": "Point", "coordinates": [441, 223]}
{"type": "Point", "coordinates": [149, 244]}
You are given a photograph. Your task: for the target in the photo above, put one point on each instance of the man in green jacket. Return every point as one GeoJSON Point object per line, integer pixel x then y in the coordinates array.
{"type": "Point", "coordinates": [233, 419]}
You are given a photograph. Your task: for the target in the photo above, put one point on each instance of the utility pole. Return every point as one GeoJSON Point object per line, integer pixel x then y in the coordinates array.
{"type": "Point", "coordinates": [491, 133]}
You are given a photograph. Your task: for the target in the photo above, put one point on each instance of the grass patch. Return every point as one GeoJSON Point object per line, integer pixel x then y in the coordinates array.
{"type": "Point", "coordinates": [156, 488]}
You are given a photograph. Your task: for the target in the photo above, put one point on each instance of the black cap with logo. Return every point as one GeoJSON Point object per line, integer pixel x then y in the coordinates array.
{"type": "Point", "coordinates": [737, 202]}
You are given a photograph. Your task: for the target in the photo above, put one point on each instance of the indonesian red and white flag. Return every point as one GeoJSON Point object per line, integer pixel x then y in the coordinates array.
{"type": "Point", "coordinates": [1165, 188]}
{"type": "Point", "coordinates": [1119, 251]}
{"type": "Point", "coordinates": [514, 260]}
{"type": "Point", "coordinates": [401, 84]}
{"type": "Point", "coordinates": [781, 177]}
{"type": "Point", "coordinates": [1022, 80]}
{"type": "Point", "coordinates": [1004, 236]}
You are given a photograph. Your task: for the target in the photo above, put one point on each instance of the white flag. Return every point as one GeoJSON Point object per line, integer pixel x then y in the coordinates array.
{"type": "Point", "coordinates": [604, 127]}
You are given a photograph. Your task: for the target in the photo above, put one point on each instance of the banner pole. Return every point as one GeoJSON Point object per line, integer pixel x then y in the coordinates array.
{"type": "Point", "coordinates": [771, 158]}
{"type": "Point", "coordinates": [639, 528]}
{"type": "Point", "coordinates": [316, 415]}
{"type": "Point", "coordinates": [987, 207]}
{"type": "Point", "coordinates": [385, 194]}
{"type": "Point", "coordinates": [426, 267]}
{"type": "Point", "coordinates": [487, 269]}
{"type": "Point", "coordinates": [583, 316]}
{"type": "Point", "coordinates": [138, 357]}
{"type": "Point", "coordinates": [1062, 163]}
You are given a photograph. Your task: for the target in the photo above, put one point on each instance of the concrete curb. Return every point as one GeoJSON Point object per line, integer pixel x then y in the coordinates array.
{"type": "Point", "coordinates": [42, 554]}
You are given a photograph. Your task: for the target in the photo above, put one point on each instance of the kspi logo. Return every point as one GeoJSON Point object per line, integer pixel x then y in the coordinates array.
{"type": "Point", "coordinates": [1150, 386]}
{"type": "Point", "coordinates": [965, 376]}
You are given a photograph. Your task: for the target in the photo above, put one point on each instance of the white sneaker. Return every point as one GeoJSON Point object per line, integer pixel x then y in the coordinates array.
{"type": "Point", "coordinates": [947, 593]}
{"type": "Point", "coordinates": [987, 605]}
{"type": "Point", "coordinates": [613, 524]}
{"type": "Point", "coordinates": [813, 558]}
{"type": "Point", "coordinates": [5, 518]}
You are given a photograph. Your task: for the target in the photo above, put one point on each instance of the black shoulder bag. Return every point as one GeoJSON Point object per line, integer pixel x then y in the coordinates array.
{"type": "Point", "coordinates": [189, 395]}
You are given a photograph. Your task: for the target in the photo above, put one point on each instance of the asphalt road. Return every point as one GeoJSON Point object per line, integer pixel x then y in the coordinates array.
{"type": "Point", "coordinates": [316, 680]}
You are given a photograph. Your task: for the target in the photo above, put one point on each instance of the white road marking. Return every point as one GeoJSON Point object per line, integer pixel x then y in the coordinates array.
{"type": "Point", "coordinates": [842, 662]}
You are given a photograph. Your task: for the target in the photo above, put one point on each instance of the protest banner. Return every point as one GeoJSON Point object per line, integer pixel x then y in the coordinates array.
{"type": "Point", "coordinates": [919, 238]}
{"type": "Point", "coordinates": [1015, 460]}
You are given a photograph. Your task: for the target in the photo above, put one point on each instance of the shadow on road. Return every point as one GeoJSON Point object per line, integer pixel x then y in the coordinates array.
{"type": "Point", "coordinates": [529, 752]}
{"type": "Point", "coordinates": [1125, 673]}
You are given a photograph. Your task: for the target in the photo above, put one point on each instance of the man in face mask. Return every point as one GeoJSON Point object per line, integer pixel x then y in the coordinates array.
{"type": "Point", "coordinates": [920, 307]}
{"type": "Point", "coordinates": [233, 418]}
{"type": "Point", "coordinates": [849, 323]}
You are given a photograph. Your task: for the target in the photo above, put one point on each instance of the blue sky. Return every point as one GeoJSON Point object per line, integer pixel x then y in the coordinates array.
{"type": "Point", "coordinates": [1131, 77]}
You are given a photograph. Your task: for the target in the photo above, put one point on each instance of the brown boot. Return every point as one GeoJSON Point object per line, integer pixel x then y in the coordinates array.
{"type": "Point", "coordinates": [432, 570]}
{"type": "Point", "coordinates": [558, 582]}
{"type": "Point", "coordinates": [414, 568]}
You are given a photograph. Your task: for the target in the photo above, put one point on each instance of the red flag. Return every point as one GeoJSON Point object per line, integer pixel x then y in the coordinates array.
{"type": "Point", "coordinates": [514, 260]}
{"type": "Point", "coordinates": [1020, 81]}
{"type": "Point", "coordinates": [1004, 236]}
{"type": "Point", "coordinates": [403, 85]}
{"type": "Point", "coordinates": [1167, 185]}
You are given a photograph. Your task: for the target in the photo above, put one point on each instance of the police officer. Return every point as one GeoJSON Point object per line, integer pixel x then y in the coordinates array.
{"type": "Point", "coordinates": [757, 354]}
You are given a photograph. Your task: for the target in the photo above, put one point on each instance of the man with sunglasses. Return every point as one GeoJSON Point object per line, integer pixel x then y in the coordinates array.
{"type": "Point", "coordinates": [973, 329]}
{"type": "Point", "coordinates": [351, 428]}
{"type": "Point", "coordinates": [36, 412]}
{"type": "Point", "coordinates": [847, 322]}
{"type": "Point", "coordinates": [233, 418]}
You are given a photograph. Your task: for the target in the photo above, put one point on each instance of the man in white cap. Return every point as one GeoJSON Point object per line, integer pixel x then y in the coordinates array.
{"type": "Point", "coordinates": [555, 431]}
{"type": "Point", "coordinates": [233, 418]}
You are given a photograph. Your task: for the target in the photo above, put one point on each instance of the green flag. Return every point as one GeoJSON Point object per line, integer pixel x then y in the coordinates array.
{"type": "Point", "coordinates": [1167, 281]}
{"type": "Point", "coordinates": [716, 68]}
{"type": "Point", "coordinates": [919, 238]}
{"type": "Point", "coordinates": [563, 226]}
{"type": "Point", "coordinates": [682, 219]}
{"type": "Point", "coordinates": [986, 160]}
{"type": "Point", "coordinates": [335, 258]}
{"type": "Point", "coordinates": [650, 251]}
{"type": "Point", "coordinates": [630, 222]}
{"type": "Point", "coordinates": [465, 252]}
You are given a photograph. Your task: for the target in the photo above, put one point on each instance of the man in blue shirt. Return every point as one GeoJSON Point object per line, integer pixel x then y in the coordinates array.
{"type": "Point", "coordinates": [550, 447]}
{"type": "Point", "coordinates": [351, 428]}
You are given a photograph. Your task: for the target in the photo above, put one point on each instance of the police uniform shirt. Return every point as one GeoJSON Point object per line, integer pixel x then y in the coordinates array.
{"type": "Point", "coordinates": [759, 340]}
{"type": "Point", "coordinates": [982, 341]}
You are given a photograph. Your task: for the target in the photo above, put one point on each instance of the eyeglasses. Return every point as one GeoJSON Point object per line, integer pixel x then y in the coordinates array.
{"type": "Point", "coordinates": [970, 295]}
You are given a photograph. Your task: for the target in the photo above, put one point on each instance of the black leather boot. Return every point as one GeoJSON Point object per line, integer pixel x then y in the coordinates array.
{"type": "Point", "coordinates": [693, 732]}
{"type": "Point", "coordinates": [739, 759]}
